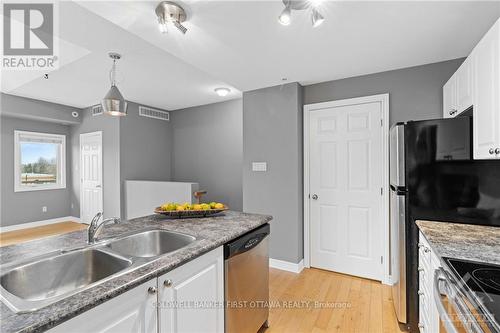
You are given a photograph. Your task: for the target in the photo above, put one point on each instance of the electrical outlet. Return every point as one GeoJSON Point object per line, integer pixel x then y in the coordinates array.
{"type": "Point", "coordinates": [44, 209]}
{"type": "Point", "coordinates": [259, 166]}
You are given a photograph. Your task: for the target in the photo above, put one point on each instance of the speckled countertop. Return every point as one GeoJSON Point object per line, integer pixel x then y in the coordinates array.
{"type": "Point", "coordinates": [211, 233]}
{"type": "Point", "coordinates": [463, 241]}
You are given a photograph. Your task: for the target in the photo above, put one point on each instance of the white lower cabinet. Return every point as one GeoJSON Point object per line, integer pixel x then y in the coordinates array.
{"type": "Point", "coordinates": [428, 262]}
{"type": "Point", "coordinates": [189, 298]}
{"type": "Point", "coordinates": [131, 312]}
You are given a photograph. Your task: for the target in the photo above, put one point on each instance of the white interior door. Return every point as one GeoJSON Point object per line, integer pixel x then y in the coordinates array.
{"type": "Point", "coordinates": [90, 175]}
{"type": "Point", "coordinates": [346, 175]}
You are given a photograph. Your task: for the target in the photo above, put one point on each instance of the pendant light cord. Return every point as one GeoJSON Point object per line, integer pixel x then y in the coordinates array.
{"type": "Point", "coordinates": [112, 73]}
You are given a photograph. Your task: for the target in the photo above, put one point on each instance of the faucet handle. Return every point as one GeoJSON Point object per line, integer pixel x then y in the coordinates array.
{"type": "Point", "coordinates": [96, 218]}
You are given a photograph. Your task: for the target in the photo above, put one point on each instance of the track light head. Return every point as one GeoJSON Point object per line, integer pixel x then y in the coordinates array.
{"type": "Point", "coordinates": [286, 15]}
{"type": "Point", "coordinates": [316, 18]}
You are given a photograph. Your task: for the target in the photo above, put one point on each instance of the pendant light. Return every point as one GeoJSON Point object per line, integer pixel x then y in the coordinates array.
{"type": "Point", "coordinates": [113, 103]}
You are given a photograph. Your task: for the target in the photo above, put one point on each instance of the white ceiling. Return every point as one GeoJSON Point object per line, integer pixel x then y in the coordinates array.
{"type": "Point", "coordinates": [241, 45]}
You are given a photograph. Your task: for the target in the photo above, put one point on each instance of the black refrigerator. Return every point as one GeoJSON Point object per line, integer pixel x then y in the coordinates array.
{"type": "Point", "coordinates": [433, 177]}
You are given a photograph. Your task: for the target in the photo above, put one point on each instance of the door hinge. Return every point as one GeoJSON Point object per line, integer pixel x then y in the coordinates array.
{"type": "Point", "coordinates": [381, 260]}
{"type": "Point", "coordinates": [381, 122]}
{"type": "Point", "coordinates": [381, 191]}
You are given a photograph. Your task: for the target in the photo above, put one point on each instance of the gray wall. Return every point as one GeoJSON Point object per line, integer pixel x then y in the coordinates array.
{"type": "Point", "coordinates": [20, 107]}
{"type": "Point", "coordinates": [22, 207]}
{"type": "Point", "coordinates": [145, 148]}
{"type": "Point", "coordinates": [415, 93]}
{"type": "Point", "coordinates": [110, 127]}
{"type": "Point", "coordinates": [208, 149]}
{"type": "Point", "coordinates": [272, 132]}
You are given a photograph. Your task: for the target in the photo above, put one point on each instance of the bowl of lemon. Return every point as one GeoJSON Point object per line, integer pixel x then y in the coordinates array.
{"type": "Point", "coordinates": [186, 209]}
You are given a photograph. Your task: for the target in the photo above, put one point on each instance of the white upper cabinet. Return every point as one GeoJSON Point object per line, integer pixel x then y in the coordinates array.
{"type": "Point", "coordinates": [458, 91]}
{"type": "Point", "coordinates": [486, 121]}
{"type": "Point", "coordinates": [464, 86]}
{"type": "Point", "coordinates": [477, 83]}
{"type": "Point", "coordinates": [450, 108]}
{"type": "Point", "coordinates": [191, 297]}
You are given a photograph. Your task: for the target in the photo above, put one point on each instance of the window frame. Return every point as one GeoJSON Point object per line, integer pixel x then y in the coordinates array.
{"type": "Point", "coordinates": [61, 162]}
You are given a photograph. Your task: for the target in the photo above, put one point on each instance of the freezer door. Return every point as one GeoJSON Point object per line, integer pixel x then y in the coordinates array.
{"type": "Point", "coordinates": [398, 253]}
{"type": "Point", "coordinates": [397, 156]}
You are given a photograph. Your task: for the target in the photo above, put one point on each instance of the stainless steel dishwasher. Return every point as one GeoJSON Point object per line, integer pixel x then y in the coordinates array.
{"type": "Point", "coordinates": [246, 279]}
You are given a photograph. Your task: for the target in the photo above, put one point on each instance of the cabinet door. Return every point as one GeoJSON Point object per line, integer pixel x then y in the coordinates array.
{"type": "Point", "coordinates": [191, 297]}
{"type": "Point", "coordinates": [134, 311]}
{"type": "Point", "coordinates": [464, 85]}
{"type": "Point", "coordinates": [450, 98]}
{"type": "Point", "coordinates": [486, 122]}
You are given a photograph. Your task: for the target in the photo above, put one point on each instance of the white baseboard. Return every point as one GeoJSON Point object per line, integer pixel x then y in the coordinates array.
{"type": "Point", "coordinates": [286, 265]}
{"type": "Point", "coordinates": [39, 223]}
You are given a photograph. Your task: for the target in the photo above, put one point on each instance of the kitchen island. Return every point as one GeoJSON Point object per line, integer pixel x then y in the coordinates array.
{"type": "Point", "coordinates": [210, 233]}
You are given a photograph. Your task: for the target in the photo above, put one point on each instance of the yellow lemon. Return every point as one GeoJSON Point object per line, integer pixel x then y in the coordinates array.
{"type": "Point", "coordinates": [219, 206]}
{"type": "Point", "coordinates": [197, 207]}
{"type": "Point", "coordinates": [180, 208]}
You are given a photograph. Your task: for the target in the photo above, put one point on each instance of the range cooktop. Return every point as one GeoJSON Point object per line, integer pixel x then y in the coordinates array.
{"type": "Point", "coordinates": [483, 280]}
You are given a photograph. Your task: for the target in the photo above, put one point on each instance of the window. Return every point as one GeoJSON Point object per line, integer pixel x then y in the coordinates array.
{"type": "Point", "coordinates": [39, 161]}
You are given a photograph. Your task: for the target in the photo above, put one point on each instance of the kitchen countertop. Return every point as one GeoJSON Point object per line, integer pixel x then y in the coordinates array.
{"type": "Point", "coordinates": [211, 231]}
{"type": "Point", "coordinates": [463, 241]}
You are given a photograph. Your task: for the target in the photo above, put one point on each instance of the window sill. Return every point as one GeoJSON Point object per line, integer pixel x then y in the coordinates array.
{"type": "Point", "coordinates": [38, 188]}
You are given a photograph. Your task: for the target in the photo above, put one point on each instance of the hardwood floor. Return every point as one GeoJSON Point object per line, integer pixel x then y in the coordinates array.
{"type": "Point", "coordinates": [329, 302]}
{"type": "Point", "coordinates": [24, 235]}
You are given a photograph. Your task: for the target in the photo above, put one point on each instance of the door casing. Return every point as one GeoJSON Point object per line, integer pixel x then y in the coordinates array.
{"type": "Point", "coordinates": [80, 175]}
{"type": "Point", "coordinates": [383, 99]}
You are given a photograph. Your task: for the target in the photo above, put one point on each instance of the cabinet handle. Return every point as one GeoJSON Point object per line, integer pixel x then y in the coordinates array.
{"type": "Point", "coordinates": [497, 151]}
{"type": "Point", "coordinates": [167, 283]}
{"type": "Point", "coordinates": [491, 151]}
{"type": "Point", "coordinates": [421, 293]}
{"type": "Point", "coordinates": [420, 269]}
{"type": "Point", "coordinates": [452, 112]}
{"type": "Point", "coordinates": [152, 290]}
{"type": "Point", "coordinates": [427, 250]}
{"type": "Point", "coordinates": [420, 325]}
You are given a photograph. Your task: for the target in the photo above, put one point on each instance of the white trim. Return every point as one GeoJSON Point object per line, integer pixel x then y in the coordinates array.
{"type": "Point", "coordinates": [286, 265]}
{"type": "Point", "coordinates": [39, 223]}
{"type": "Point", "coordinates": [84, 135]}
{"type": "Point", "coordinates": [384, 100]}
{"type": "Point", "coordinates": [61, 163]}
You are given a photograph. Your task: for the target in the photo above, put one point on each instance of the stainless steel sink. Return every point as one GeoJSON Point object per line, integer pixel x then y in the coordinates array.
{"type": "Point", "coordinates": [151, 243]}
{"type": "Point", "coordinates": [29, 285]}
{"type": "Point", "coordinates": [47, 278]}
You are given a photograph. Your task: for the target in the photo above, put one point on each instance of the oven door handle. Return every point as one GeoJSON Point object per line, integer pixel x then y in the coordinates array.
{"type": "Point", "coordinates": [443, 315]}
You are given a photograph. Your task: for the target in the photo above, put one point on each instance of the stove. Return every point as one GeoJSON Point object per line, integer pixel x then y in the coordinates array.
{"type": "Point", "coordinates": [482, 282]}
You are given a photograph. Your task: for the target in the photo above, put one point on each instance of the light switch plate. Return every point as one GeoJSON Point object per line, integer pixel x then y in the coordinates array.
{"type": "Point", "coordinates": [259, 166]}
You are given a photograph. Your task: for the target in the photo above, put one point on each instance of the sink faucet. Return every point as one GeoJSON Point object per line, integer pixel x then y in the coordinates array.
{"type": "Point", "coordinates": [95, 228]}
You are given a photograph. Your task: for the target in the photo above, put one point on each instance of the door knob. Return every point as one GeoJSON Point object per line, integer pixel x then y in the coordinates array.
{"type": "Point", "coordinates": [491, 151]}
{"type": "Point", "coordinates": [314, 197]}
{"type": "Point", "coordinates": [167, 283]}
{"type": "Point", "coordinates": [152, 290]}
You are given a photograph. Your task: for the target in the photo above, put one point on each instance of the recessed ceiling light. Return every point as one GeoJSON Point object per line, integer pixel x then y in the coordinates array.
{"type": "Point", "coordinates": [222, 91]}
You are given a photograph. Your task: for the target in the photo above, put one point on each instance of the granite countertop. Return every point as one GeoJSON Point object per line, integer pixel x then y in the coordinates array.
{"type": "Point", "coordinates": [463, 241]}
{"type": "Point", "coordinates": [211, 232]}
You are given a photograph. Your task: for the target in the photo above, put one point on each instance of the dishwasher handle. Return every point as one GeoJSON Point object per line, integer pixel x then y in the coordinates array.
{"type": "Point", "coordinates": [246, 242]}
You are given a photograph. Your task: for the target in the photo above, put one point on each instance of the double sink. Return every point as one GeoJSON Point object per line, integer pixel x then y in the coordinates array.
{"type": "Point", "coordinates": [30, 285]}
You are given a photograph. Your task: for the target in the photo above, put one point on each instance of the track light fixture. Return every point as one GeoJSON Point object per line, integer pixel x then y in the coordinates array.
{"type": "Point", "coordinates": [170, 12]}
{"type": "Point", "coordinates": [285, 17]}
